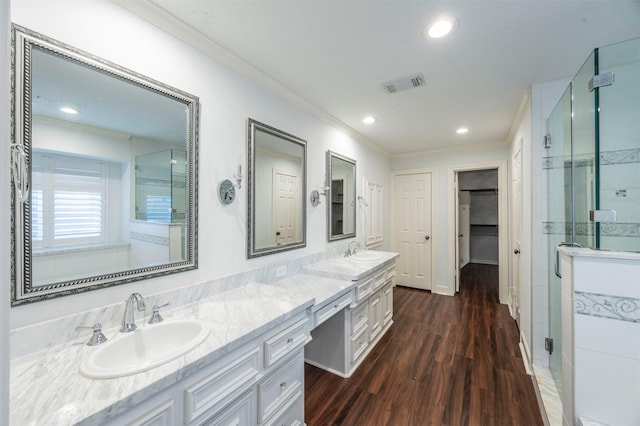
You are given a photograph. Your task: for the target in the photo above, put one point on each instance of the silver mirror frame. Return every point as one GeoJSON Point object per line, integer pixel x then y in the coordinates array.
{"type": "Point", "coordinates": [252, 251]}
{"type": "Point", "coordinates": [330, 235]}
{"type": "Point", "coordinates": [22, 290]}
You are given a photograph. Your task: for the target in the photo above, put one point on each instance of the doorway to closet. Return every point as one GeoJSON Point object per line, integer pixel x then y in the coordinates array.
{"type": "Point", "coordinates": [478, 233]}
{"type": "Point", "coordinates": [478, 217]}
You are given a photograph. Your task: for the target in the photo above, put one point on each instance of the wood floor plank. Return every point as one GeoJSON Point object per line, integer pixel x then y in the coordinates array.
{"type": "Point", "coordinates": [446, 361]}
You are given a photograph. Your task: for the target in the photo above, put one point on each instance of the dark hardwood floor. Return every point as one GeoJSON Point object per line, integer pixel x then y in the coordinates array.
{"type": "Point", "coordinates": [445, 361]}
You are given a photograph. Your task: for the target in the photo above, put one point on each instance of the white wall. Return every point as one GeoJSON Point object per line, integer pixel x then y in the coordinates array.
{"type": "Point", "coordinates": [5, 232]}
{"type": "Point", "coordinates": [439, 162]}
{"type": "Point", "coordinates": [227, 100]}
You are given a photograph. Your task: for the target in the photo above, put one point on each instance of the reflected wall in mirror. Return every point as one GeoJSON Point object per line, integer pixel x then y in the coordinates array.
{"type": "Point", "coordinates": [104, 172]}
{"type": "Point", "coordinates": [341, 198]}
{"type": "Point", "coordinates": [277, 188]}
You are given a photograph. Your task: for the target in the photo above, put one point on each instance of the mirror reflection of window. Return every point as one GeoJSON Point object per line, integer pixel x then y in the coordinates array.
{"type": "Point", "coordinates": [68, 200]}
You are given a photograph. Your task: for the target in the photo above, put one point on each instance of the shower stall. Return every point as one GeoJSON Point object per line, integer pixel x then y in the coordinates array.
{"type": "Point", "coordinates": [161, 187]}
{"type": "Point", "coordinates": [592, 168]}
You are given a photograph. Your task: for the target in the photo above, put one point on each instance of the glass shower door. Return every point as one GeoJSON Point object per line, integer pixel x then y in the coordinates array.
{"type": "Point", "coordinates": [557, 227]}
{"type": "Point", "coordinates": [619, 146]}
{"type": "Point", "coordinates": [584, 145]}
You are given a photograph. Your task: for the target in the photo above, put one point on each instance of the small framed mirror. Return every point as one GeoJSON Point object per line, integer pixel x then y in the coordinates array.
{"type": "Point", "coordinates": [104, 168]}
{"type": "Point", "coordinates": [341, 197]}
{"type": "Point", "coordinates": [277, 188]}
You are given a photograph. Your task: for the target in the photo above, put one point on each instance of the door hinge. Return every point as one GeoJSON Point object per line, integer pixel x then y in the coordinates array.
{"type": "Point", "coordinates": [601, 80]}
{"type": "Point", "coordinates": [548, 345]}
{"type": "Point", "coordinates": [547, 140]}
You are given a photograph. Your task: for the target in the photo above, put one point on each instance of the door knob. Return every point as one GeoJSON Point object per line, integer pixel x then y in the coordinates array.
{"type": "Point", "coordinates": [516, 251]}
{"type": "Point", "coordinates": [426, 237]}
{"type": "Point", "coordinates": [460, 235]}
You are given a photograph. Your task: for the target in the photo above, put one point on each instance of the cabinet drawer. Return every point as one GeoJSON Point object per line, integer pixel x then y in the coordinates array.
{"type": "Point", "coordinates": [379, 279]}
{"type": "Point", "coordinates": [364, 290]}
{"type": "Point", "coordinates": [291, 415]}
{"type": "Point", "coordinates": [215, 391]}
{"type": "Point", "coordinates": [359, 318]}
{"type": "Point", "coordinates": [391, 272]}
{"type": "Point", "coordinates": [278, 388]}
{"type": "Point", "coordinates": [332, 308]}
{"type": "Point", "coordinates": [161, 415]}
{"type": "Point", "coordinates": [285, 342]}
{"type": "Point", "coordinates": [239, 412]}
{"type": "Point", "coordinates": [359, 344]}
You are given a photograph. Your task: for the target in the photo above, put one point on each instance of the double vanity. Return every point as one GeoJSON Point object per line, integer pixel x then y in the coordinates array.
{"type": "Point", "coordinates": [248, 368]}
{"type": "Point", "coordinates": [229, 350]}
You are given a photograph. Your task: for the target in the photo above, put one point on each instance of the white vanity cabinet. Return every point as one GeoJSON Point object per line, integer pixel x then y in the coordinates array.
{"type": "Point", "coordinates": [341, 342]}
{"type": "Point", "coordinates": [259, 383]}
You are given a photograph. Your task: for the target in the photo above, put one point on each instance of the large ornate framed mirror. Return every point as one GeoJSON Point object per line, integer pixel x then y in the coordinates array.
{"type": "Point", "coordinates": [104, 172]}
{"type": "Point", "coordinates": [341, 197]}
{"type": "Point", "coordinates": [277, 188]}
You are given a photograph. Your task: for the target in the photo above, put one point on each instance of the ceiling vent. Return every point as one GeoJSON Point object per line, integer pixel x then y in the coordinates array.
{"type": "Point", "coordinates": [404, 83]}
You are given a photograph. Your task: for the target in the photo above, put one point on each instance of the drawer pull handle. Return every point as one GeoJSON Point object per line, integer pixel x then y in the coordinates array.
{"type": "Point", "coordinates": [283, 386]}
{"type": "Point", "coordinates": [289, 340]}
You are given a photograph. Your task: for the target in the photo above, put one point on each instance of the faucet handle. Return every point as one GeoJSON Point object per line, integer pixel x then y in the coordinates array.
{"type": "Point", "coordinates": [97, 338]}
{"type": "Point", "coordinates": [155, 315]}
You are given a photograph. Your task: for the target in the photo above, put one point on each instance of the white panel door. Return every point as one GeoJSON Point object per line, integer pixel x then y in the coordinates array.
{"type": "Point", "coordinates": [286, 228]}
{"type": "Point", "coordinates": [412, 234]}
{"type": "Point", "coordinates": [373, 213]}
{"type": "Point", "coordinates": [516, 187]}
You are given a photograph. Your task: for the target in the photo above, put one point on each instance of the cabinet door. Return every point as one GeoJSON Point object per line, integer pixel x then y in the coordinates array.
{"type": "Point", "coordinates": [375, 314]}
{"type": "Point", "coordinates": [158, 411]}
{"type": "Point", "coordinates": [387, 303]}
{"type": "Point", "coordinates": [239, 413]}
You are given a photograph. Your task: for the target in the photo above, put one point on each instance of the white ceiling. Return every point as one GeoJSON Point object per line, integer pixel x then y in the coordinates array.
{"type": "Point", "coordinates": [336, 54]}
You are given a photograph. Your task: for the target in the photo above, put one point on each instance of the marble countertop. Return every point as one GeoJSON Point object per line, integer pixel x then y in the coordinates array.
{"type": "Point", "coordinates": [321, 288]}
{"type": "Point", "coordinates": [348, 268]}
{"type": "Point", "coordinates": [599, 254]}
{"type": "Point", "coordinates": [47, 388]}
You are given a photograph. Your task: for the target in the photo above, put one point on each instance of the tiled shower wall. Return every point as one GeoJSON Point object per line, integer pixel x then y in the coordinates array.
{"type": "Point", "coordinates": [607, 339]}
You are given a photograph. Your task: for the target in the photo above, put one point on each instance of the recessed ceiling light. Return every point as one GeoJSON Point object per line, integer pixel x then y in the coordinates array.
{"type": "Point", "coordinates": [369, 120]}
{"type": "Point", "coordinates": [441, 27]}
{"type": "Point", "coordinates": [68, 110]}
{"type": "Point", "coordinates": [462, 130]}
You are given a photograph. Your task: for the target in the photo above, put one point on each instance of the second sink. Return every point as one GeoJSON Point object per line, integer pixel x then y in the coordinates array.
{"type": "Point", "coordinates": [143, 349]}
{"type": "Point", "coordinates": [366, 255]}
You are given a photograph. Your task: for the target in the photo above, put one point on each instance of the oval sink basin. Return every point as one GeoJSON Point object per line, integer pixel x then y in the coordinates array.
{"type": "Point", "coordinates": [143, 349]}
{"type": "Point", "coordinates": [366, 255]}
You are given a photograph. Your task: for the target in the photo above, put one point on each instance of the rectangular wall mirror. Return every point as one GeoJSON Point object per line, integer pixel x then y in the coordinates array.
{"type": "Point", "coordinates": [277, 188]}
{"type": "Point", "coordinates": [103, 169]}
{"type": "Point", "coordinates": [341, 197]}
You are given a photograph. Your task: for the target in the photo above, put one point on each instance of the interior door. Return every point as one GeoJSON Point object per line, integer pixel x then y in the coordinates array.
{"type": "Point", "coordinates": [285, 217]}
{"type": "Point", "coordinates": [412, 229]}
{"type": "Point", "coordinates": [516, 211]}
{"type": "Point", "coordinates": [464, 227]}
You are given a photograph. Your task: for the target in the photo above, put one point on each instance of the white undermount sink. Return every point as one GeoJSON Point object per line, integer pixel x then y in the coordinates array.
{"type": "Point", "coordinates": [147, 347]}
{"type": "Point", "coordinates": [366, 255]}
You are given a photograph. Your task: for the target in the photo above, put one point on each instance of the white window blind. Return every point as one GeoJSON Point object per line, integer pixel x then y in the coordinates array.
{"type": "Point", "coordinates": [68, 200]}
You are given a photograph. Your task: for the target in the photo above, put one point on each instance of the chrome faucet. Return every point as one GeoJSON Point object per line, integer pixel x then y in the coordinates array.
{"type": "Point", "coordinates": [351, 250]}
{"type": "Point", "coordinates": [128, 323]}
